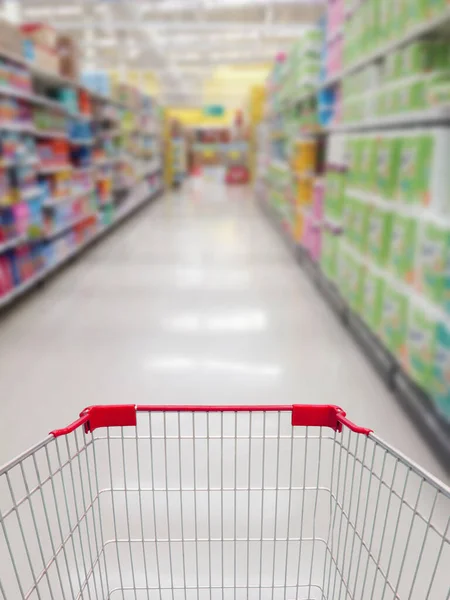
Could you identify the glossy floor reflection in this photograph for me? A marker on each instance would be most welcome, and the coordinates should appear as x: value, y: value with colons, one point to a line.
x: 195, y: 300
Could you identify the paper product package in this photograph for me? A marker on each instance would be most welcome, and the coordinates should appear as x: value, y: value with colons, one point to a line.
x: 379, y: 234
x: 431, y: 260
x: 440, y: 379
x: 366, y: 162
x: 394, y: 319
x: 416, y: 152
x: 403, y: 246
x: 359, y: 225
x: 343, y: 268
x: 355, y: 290
x: 386, y: 162
x: 328, y: 259
x: 420, y: 344
x: 437, y: 198
x: 372, y: 306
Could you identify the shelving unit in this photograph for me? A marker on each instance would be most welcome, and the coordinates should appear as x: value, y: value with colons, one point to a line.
x: 60, y: 174
x: 370, y: 198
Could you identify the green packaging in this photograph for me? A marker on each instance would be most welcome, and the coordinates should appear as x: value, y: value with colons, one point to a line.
x: 373, y: 289
x: 393, y: 66
x: 440, y: 379
x: 328, y: 258
x: 394, y: 319
x: 367, y: 159
x: 379, y: 234
x: 348, y: 216
x: 353, y: 160
x: 403, y: 247
x: 357, y: 273
x: 420, y: 345
x: 431, y: 261
x: 360, y: 225
x: 416, y: 154
x: 386, y: 163
x: 432, y: 8
x: 343, y: 269
x: 416, y: 58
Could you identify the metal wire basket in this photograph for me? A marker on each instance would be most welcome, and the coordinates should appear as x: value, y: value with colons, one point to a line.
x: 220, y: 503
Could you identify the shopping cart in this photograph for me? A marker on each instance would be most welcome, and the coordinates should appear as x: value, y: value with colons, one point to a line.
x: 220, y: 503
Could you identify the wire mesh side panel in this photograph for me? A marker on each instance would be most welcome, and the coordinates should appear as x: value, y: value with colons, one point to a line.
x: 215, y: 506
x: 390, y: 527
x: 50, y: 538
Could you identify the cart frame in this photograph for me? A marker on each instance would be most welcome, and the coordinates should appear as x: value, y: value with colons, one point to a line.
x: 220, y: 502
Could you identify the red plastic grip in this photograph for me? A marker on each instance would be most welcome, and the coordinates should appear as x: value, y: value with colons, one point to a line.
x: 124, y: 415
x: 93, y: 417
x: 315, y: 415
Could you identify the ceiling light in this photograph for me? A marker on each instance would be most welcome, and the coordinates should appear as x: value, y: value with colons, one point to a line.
x: 106, y: 42
x: 51, y: 11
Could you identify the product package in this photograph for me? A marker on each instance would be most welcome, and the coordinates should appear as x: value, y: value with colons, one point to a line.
x: 379, y: 234
x: 416, y: 152
x: 394, y: 319
x: 431, y: 260
x: 386, y: 162
x: 420, y: 344
x: 372, y: 305
x: 403, y: 246
x: 440, y: 379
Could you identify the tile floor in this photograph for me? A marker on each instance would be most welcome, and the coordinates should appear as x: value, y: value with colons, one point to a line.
x: 195, y: 300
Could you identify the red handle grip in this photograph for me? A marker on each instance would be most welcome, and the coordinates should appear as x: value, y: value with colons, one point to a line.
x: 124, y: 415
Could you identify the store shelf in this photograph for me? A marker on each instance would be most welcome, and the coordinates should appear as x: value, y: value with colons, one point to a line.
x: 12, y: 243
x: 51, y: 134
x: 410, y: 396
x: 50, y: 202
x: 435, y: 116
x: 420, y: 31
x: 50, y: 169
x: 19, y: 162
x: 17, y: 127
x: 129, y: 208
x: 66, y: 226
x: 83, y: 142
x: 30, y: 193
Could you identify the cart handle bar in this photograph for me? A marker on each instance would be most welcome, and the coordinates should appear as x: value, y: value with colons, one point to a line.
x: 124, y: 415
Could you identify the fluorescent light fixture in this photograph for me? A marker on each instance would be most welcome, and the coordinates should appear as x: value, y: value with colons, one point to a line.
x: 51, y: 11
x: 106, y: 42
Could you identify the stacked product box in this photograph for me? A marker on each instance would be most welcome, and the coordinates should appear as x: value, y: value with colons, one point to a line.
x: 334, y: 38
x: 280, y: 194
x: 412, y: 78
x: 392, y: 260
x: 373, y: 24
x: 299, y: 73
x: 333, y: 213
x: 303, y: 163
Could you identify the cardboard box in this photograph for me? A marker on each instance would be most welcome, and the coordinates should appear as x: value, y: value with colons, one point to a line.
x: 69, y: 64
x: 11, y: 39
x: 41, y: 34
x: 46, y: 59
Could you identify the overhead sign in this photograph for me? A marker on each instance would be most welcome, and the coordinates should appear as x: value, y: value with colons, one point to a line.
x: 214, y: 110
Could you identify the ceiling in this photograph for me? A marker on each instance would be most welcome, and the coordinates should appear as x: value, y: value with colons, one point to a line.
x: 181, y: 41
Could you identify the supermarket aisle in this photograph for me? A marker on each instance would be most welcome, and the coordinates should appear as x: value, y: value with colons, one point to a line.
x: 196, y: 300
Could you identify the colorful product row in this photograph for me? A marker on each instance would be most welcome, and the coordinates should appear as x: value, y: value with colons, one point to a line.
x: 410, y: 328
x: 411, y: 168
